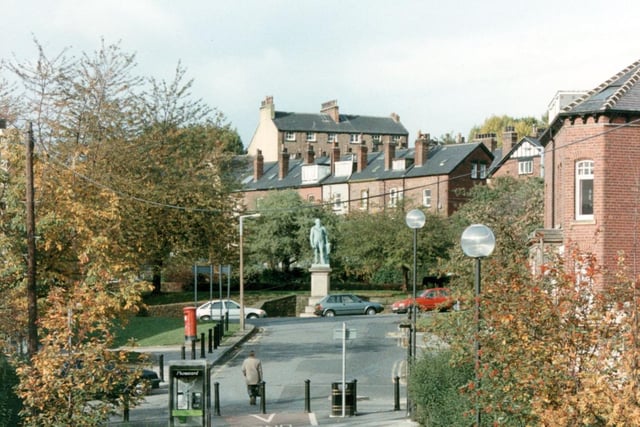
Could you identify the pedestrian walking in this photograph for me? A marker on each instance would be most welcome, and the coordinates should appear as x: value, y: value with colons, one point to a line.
x: 252, y: 371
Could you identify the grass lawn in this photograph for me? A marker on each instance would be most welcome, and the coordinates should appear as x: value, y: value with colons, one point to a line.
x: 155, y: 331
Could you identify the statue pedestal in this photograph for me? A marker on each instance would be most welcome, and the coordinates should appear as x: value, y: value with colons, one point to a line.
x: 320, y: 286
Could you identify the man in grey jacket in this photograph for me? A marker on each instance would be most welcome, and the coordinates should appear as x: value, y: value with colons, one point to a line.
x: 252, y: 371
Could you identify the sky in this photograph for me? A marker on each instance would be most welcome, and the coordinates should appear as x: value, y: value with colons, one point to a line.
x: 442, y: 66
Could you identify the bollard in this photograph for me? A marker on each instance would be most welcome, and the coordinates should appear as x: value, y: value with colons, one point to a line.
x: 161, y: 366
x: 216, y: 337
x: 226, y: 322
x: 193, y: 350
x: 396, y: 393
x: 125, y: 415
x: 307, y: 396
x: 263, y: 404
x: 221, y: 326
x: 355, y: 397
x: 202, y: 355
x: 210, y: 340
x: 216, y: 398
x: 183, y: 353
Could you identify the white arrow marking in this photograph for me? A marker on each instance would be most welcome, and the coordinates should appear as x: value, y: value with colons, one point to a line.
x: 266, y: 420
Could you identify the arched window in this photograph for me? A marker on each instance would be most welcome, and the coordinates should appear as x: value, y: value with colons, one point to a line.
x: 584, y: 190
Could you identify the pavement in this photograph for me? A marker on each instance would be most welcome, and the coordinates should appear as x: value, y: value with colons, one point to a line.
x: 154, y: 410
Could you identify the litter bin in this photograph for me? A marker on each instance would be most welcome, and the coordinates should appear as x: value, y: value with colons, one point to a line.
x: 190, y: 323
x: 336, y: 400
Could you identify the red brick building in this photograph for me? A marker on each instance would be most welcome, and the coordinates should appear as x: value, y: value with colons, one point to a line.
x: 592, y: 172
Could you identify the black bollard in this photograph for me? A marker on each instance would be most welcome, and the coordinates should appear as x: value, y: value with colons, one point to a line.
x: 396, y: 393
x: 202, y: 354
x: 193, y: 350
x: 161, y: 366
x: 226, y: 322
x: 263, y: 404
x: 216, y: 398
x: 183, y: 353
x: 307, y: 396
x: 355, y: 397
x: 210, y: 340
x: 215, y: 336
x: 221, y: 326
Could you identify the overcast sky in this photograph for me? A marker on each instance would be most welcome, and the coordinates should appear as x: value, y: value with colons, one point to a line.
x: 443, y: 66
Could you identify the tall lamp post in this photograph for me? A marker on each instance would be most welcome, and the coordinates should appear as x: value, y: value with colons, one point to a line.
x: 477, y: 242
x: 242, y: 217
x: 415, y: 220
x: 32, y: 298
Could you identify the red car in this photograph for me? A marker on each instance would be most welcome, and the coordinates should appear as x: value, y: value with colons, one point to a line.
x: 430, y: 299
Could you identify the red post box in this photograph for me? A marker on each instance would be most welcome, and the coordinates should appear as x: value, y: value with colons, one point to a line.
x: 190, y: 323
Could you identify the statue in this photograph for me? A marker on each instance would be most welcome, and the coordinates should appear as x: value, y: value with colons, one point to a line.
x: 319, y: 240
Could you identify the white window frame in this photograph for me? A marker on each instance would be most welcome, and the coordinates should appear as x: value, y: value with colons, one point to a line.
x: 364, y: 200
x: 332, y: 137
x: 354, y: 138
x: 395, y: 139
x: 289, y: 136
x: 478, y: 170
x: 584, y: 189
x: 377, y: 139
x: 395, y: 195
x: 525, y: 167
x: 311, y: 136
x: 426, y: 197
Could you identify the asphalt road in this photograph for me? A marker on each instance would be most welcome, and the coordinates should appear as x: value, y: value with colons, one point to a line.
x: 295, y: 351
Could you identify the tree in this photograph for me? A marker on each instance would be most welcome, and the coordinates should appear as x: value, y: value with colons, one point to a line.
x: 280, y: 237
x: 496, y: 124
x: 370, y: 242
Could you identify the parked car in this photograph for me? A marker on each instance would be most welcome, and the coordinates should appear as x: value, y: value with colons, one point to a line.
x: 214, y: 309
x: 429, y: 299
x: 339, y: 304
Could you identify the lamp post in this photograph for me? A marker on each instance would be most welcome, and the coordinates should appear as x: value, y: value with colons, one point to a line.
x: 477, y: 242
x: 242, y: 217
x: 415, y: 220
x: 32, y: 299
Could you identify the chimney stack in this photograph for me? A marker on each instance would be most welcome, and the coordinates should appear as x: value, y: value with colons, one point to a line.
x: 395, y: 117
x: 283, y: 163
x: 258, y: 166
x: 331, y: 108
x: 488, y: 139
x: 309, y: 156
x: 362, y: 158
x: 509, y: 138
x: 267, y: 109
x: 422, y: 149
x: 389, y: 155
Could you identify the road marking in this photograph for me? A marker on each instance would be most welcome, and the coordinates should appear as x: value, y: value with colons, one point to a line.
x: 312, y: 419
x: 266, y: 420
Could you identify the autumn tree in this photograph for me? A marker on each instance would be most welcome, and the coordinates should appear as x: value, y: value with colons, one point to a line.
x: 524, y: 126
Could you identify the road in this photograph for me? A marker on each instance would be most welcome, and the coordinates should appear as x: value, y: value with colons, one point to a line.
x: 294, y: 350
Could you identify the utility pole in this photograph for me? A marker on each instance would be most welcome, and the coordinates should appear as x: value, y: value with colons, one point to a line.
x: 32, y: 297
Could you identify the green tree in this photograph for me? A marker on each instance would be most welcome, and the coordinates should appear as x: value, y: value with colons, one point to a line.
x: 370, y: 242
x: 280, y: 237
x: 496, y: 124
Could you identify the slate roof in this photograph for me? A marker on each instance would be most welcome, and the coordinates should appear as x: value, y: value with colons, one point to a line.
x: 302, y: 122
x: 619, y: 93
x: 442, y: 160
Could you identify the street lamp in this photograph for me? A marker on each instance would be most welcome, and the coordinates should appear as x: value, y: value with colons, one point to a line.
x: 415, y: 219
x: 32, y: 298
x: 242, y: 217
x: 477, y: 242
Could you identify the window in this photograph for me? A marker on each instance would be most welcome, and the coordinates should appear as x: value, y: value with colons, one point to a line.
x: 332, y: 137
x: 394, y: 196
x: 355, y: 138
x: 478, y: 170
x: 377, y: 139
x: 337, y: 200
x: 364, y: 200
x: 311, y: 136
x: 396, y: 139
x: 426, y: 198
x: 525, y: 167
x: 290, y: 136
x: 584, y: 190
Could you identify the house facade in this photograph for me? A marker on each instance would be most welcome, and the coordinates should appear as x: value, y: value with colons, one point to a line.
x: 323, y: 131
x: 518, y: 158
x: 427, y: 176
x: 592, y: 178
